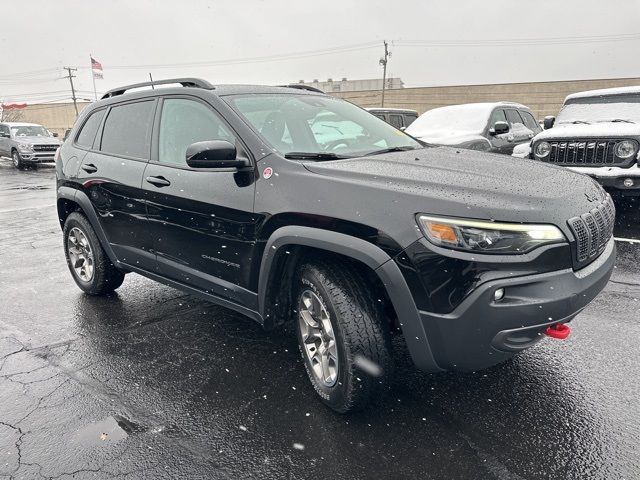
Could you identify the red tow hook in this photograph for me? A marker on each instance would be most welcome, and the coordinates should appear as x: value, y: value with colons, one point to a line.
x: 559, y: 331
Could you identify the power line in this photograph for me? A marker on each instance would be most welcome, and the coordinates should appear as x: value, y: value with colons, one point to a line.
x: 519, y: 41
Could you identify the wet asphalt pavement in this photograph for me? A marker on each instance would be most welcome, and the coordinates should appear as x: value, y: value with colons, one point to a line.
x: 153, y: 383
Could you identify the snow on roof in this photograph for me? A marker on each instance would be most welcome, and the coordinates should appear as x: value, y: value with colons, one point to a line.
x: 604, y: 92
x: 21, y: 124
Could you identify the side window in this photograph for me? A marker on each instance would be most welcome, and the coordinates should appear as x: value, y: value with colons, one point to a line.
x: 396, y: 120
x: 4, y: 130
x: 409, y: 119
x: 530, y: 122
x: 380, y: 116
x: 127, y: 130
x: 497, y: 116
x: 514, y: 118
x: 88, y: 132
x: 184, y: 122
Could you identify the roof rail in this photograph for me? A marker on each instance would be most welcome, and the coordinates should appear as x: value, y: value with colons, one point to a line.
x: 185, y: 82
x: 302, y: 86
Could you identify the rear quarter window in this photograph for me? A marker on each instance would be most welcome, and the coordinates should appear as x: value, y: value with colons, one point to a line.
x: 87, y: 133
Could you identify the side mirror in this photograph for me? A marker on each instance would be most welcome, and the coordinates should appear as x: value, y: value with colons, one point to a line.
x: 214, y: 154
x: 499, y: 128
x: 549, y: 121
x: 55, y: 134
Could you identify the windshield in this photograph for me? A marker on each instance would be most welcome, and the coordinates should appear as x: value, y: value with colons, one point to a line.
x: 30, y: 131
x: 601, y: 109
x: 455, y: 119
x: 318, y: 125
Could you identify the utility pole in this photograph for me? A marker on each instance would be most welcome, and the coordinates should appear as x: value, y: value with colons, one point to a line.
x: 70, y: 76
x: 383, y: 62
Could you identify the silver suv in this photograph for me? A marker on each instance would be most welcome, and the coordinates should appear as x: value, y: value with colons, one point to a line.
x: 27, y: 143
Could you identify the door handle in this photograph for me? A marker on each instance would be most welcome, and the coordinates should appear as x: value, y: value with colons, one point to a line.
x: 158, y: 181
x: 90, y: 168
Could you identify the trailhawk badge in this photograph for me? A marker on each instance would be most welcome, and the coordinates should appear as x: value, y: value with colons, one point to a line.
x: 267, y: 172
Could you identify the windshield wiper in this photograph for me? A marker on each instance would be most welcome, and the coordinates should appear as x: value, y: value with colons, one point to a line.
x: 389, y: 150
x: 623, y: 120
x: 582, y: 122
x: 314, y: 156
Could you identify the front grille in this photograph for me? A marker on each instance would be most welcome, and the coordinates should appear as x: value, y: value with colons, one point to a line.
x: 586, y: 153
x: 593, y: 231
x: 45, y: 148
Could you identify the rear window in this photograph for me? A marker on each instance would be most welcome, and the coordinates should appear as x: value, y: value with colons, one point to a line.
x: 88, y: 131
x: 127, y: 130
x: 409, y: 118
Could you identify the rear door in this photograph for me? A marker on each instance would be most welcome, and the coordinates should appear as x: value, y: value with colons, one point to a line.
x: 201, y: 220
x: 118, y: 144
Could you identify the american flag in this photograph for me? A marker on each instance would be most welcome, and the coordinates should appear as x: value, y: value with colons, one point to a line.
x: 96, y: 68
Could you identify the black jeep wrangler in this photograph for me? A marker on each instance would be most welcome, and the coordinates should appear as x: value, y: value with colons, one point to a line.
x: 286, y: 204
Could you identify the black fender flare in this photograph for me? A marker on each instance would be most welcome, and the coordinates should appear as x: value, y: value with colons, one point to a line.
x: 82, y: 200
x: 372, y: 256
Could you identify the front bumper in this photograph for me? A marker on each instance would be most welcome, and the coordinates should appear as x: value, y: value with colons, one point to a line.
x: 614, y: 177
x: 481, y: 332
x: 37, y: 157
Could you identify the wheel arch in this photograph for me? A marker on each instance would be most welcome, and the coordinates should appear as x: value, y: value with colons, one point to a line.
x: 72, y: 200
x: 286, y: 248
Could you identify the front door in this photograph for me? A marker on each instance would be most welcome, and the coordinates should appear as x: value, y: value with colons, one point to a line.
x: 201, y: 220
x: 503, y: 142
x: 4, y: 141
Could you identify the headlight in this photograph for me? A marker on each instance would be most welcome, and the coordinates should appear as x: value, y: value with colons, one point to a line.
x: 542, y: 149
x: 27, y: 147
x: 625, y: 149
x: 487, y: 237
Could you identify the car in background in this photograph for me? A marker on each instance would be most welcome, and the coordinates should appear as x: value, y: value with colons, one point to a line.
x: 27, y: 143
x: 597, y: 133
x: 400, y: 118
x: 491, y: 127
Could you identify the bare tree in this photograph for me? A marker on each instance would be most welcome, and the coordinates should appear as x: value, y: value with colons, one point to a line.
x: 11, y: 115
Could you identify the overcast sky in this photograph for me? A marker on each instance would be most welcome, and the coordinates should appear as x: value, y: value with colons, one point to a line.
x: 478, y: 41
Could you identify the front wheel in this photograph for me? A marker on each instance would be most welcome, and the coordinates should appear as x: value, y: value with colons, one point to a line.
x: 17, y: 160
x: 90, y: 266
x: 342, y: 335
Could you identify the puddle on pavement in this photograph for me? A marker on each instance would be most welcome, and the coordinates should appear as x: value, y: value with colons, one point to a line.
x: 112, y: 429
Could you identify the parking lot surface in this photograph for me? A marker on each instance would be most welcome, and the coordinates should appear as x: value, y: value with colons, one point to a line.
x: 154, y: 383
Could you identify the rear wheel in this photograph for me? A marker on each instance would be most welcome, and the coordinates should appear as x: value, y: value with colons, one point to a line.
x: 90, y: 266
x: 342, y: 335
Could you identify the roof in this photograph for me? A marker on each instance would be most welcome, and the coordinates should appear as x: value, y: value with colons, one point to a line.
x: 21, y: 124
x: 484, y: 105
x: 604, y: 92
x: 385, y: 109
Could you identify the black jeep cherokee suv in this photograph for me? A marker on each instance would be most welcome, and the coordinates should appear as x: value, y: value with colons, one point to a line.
x: 287, y: 204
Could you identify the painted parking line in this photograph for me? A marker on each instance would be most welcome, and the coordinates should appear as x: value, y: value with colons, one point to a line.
x: 630, y: 240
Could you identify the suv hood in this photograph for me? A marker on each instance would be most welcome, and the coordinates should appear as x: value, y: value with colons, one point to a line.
x: 594, y: 130
x: 38, y: 140
x: 461, y: 183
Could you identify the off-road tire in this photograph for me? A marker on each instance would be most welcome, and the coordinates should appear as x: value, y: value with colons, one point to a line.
x: 106, y: 277
x: 361, y: 332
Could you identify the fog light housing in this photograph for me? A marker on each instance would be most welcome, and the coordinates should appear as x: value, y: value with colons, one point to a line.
x: 628, y: 182
x: 498, y: 294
